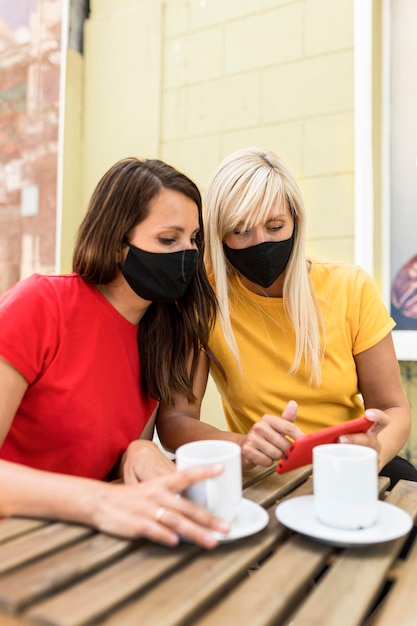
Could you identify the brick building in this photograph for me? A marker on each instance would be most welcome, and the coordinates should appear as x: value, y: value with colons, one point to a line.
x: 29, y: 121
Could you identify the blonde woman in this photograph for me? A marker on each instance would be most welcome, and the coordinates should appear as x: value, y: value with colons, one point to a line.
x: 299, y: 344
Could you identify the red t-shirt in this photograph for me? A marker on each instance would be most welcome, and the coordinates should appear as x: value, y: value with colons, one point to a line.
x: 84, y: 403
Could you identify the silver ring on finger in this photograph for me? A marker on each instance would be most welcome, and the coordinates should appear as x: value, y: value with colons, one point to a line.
x: 160, y: 513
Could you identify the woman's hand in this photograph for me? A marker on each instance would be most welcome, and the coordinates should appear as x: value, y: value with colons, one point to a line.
x: 155, y: 509
x: 370, y: 438
x: 268, y: 440
x: 143, y: 461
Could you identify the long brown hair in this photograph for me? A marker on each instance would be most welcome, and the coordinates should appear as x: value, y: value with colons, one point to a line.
x: 168, y: 333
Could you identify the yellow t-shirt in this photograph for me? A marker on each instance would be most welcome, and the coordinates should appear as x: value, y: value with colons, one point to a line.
x: 355, y: 320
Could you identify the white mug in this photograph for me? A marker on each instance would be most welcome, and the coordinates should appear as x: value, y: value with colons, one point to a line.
x: 222, y: 494
x: 345, y: 483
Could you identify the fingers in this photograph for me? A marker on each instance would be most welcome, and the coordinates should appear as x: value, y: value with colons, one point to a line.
x: 370, y: 438
x: 169, y: 526
x: 155, y: 510
x: 181, y: 516
x: 180, y: 481
x: 263, y: 451
x: 380, y: 419
x: 271, y: 437
x: 190, y: 522
x: 143, y: 461
x: 290, y: 411
x: 160, y: 513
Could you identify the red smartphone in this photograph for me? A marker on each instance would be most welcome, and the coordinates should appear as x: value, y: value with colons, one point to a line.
x: 301, y: 450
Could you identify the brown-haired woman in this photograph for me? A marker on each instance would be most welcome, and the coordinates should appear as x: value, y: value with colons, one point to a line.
x: 77, y: 403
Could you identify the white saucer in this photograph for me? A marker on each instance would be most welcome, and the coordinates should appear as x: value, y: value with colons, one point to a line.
x: 298, y: 514
x: 250, y: 519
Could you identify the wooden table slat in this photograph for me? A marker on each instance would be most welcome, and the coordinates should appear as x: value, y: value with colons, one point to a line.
x: 383, y: 484
x: 401, y: 605
x: 272, y: 592
x: 404, y: 495
x: 357, y: 573
x: 101, y: 592
x: 197, y: 585
x: 249, y: 477
x: 14, y: 526
x: 275, y: 486
x: 30, y: 546
x: 23, y: 587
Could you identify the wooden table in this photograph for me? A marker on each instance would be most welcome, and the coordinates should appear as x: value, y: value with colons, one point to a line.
x: 68, y: 575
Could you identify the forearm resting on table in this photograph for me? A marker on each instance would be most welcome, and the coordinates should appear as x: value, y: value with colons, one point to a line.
x: 30, y: 492
x: 177, y: 429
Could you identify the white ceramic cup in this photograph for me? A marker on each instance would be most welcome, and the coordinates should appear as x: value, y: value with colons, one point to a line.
x: 345, y: 482
x: 222, y: 494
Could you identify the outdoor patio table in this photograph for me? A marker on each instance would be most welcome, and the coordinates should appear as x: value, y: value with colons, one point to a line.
x: 54, y: 573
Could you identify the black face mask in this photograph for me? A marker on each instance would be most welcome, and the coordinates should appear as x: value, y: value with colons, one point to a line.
x: 263, y: 263
x: 159, y: 277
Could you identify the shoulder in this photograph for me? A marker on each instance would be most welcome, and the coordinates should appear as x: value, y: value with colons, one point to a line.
x: 29, y: 288
x: 348, y: 285
x: 43, y: 290
x: 42, y: 281
x: 343, y: 274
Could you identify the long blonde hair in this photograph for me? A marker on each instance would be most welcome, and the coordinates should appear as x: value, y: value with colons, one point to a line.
x: 243, y: 189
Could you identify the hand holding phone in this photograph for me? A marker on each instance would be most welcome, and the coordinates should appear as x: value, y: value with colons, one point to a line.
x: 301, y: 450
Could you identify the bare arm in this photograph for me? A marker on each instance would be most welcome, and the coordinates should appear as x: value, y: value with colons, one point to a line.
x: 383, y: 394
x: 12, y: 389
x: 181, y: 423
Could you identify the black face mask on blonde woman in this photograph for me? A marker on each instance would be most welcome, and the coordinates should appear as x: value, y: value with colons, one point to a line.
x: 263, y: 263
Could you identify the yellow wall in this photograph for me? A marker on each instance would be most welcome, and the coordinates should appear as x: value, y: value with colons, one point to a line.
x: 190, y: 81
x: 123, y: 69
x: 72, y: 208
x: 266, y: 73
